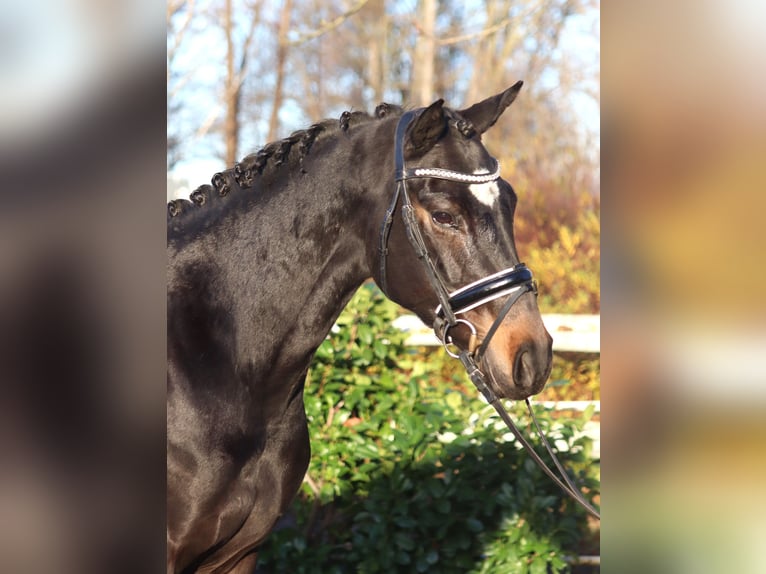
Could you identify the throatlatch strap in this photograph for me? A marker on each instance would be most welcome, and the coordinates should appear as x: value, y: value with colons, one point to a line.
x: 385, y: 231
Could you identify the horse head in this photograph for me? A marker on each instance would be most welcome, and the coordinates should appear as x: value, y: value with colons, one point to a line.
x: 451, y: 256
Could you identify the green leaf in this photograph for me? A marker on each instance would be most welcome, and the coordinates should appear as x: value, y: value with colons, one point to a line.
x: 443, y: 505
x: 364, y: 333
x: 403, y: 558
x: 432, y: 557
x: 538, y: 566
x: 474, y: 525
x: 405, y: 521
x: 454, y: 400
x: 404, y: 541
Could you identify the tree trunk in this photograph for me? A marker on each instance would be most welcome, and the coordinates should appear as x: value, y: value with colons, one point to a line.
x: 425, y: 55
x: 284, y: 28
x: 232, y: 95
x: 377, y: 49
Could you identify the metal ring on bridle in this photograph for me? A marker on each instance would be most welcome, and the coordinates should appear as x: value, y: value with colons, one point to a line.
x: 447, y: 340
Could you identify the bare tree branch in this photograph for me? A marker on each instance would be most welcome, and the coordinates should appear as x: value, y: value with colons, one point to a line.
x: 236, y: 71
x: 255, y: 19
x: 327, y: 25
x: 208, y: 124
x: 173, y: 8
x: 475, y: 35
x: 486, y: 31
x: 179, y: 84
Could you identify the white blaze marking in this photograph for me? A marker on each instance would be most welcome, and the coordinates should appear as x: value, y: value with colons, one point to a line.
x: 486, y: 193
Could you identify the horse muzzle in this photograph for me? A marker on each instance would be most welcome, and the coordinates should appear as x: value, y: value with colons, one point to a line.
x: 514, y: 353
x: 518, y: 363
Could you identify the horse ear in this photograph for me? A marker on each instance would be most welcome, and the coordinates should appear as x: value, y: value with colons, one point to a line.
x: 429, y: 126
x: 484, y: 114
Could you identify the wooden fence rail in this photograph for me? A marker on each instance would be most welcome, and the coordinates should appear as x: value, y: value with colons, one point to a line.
x: 571, y: 333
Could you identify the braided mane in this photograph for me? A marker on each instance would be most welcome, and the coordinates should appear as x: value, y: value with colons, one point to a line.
x: 245, y: 173
x: 294, y: 148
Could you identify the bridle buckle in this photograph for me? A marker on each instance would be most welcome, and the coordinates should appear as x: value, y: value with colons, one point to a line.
x: 447, y: 341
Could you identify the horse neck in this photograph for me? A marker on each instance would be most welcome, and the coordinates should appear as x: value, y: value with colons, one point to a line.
x: 291, y: 259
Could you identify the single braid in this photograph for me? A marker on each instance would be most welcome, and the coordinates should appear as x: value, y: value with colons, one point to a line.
x: 345, y: 118
x: 282, y: 152
x: 200, y: 195
x: 177, y: 206
x: 382, y: 110
x: 239, y: 175
x: 220, y: 184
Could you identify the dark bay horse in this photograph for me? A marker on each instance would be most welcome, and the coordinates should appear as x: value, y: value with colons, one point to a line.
x: 261, y: 263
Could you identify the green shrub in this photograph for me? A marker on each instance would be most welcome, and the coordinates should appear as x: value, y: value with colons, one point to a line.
x: 414, y: 473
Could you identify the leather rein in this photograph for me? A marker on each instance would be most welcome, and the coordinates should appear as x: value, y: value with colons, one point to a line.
x: 512, y: 283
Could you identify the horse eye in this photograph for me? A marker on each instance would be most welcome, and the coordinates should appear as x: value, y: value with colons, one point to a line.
x: 443, y: 218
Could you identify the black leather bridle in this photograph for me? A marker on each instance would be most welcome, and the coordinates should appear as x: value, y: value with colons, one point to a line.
x: 512, y: 283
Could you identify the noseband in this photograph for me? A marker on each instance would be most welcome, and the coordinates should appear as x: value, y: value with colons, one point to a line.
x: 512, y: 283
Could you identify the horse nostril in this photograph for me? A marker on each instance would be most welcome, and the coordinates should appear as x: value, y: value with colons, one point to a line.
x: 531, y: 368
x: 523, y: 370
